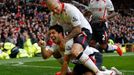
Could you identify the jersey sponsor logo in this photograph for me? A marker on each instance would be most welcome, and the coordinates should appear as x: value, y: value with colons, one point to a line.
x: 74, y: 19
x: 68, y: 48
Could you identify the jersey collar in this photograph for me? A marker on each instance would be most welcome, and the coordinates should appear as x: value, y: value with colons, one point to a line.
x: 62, y: 7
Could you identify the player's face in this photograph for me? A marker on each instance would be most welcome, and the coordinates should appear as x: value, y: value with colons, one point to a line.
x: 54, y: 6
x: 54, y: 35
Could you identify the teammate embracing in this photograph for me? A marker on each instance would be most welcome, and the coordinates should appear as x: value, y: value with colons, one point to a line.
x: 58, y: 51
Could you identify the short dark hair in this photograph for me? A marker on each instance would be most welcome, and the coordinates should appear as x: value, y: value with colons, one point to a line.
x: 57, y: 28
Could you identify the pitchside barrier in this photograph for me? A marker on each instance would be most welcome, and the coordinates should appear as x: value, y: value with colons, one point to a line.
x: 128, y: 47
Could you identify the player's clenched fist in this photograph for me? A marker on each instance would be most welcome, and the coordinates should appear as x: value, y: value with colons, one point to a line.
x: 42, y: 43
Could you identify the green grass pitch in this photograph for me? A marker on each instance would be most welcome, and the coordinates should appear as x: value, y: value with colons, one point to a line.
x: 38, y: 66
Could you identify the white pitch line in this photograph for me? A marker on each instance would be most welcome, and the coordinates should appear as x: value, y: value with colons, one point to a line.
x: 51, y: 67
x: 24, y: 61
x: 125, y: 54
x: 127, y: 71
x: 22, y: 65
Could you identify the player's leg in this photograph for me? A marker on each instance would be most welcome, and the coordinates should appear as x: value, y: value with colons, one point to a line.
x: 60, y: 59
x: 115, y: 47
x: 78, y: 47
x: 99, y: 60
x: 80, y: 69
x: 108, y: 47
x: 103, y: 41
x: 113, y: 71
x: 97, y: 56
x: 116, y: 71
x: 88, y: 73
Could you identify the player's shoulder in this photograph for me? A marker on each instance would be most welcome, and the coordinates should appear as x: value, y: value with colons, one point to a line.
x: 68, y: 4
x: 69, y: 7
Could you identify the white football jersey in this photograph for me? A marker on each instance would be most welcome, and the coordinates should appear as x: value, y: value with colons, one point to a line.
x: 99, y: 8
x: 54, y: 48
x: 70, y: 17
x: 68, y: 46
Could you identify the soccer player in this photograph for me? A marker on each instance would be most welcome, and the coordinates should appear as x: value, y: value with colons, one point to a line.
x: 54, y: 47
x: 100, y: 10
x: 78, y: 28
x: 57, y: 49
x: 56, y: 35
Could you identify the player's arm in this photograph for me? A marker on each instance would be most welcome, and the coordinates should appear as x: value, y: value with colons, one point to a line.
x: 111, y: 15
x: 76, y: 22
x: 45, y: 50
x: 46, y: 53
x: 76, y: 30
x: 65, y: 65
x: 110, y: 8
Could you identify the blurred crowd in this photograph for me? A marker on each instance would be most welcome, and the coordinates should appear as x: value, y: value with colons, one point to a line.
x: 14, y: 20
x: 22, y: 20
x: 121, y: 29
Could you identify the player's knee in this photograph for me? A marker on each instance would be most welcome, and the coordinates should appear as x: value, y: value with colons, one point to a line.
x: 76, y: 50
x: 89, y: 73
x: 76, y: 53
x: 80, y: 54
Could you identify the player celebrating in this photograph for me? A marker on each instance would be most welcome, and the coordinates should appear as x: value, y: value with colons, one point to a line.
x: 100, y: 10
x: 99, y: 23
x: 78, y: 28
x: 56, y: 34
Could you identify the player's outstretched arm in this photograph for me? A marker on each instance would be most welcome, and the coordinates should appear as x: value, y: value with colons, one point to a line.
x: 46, y: 53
